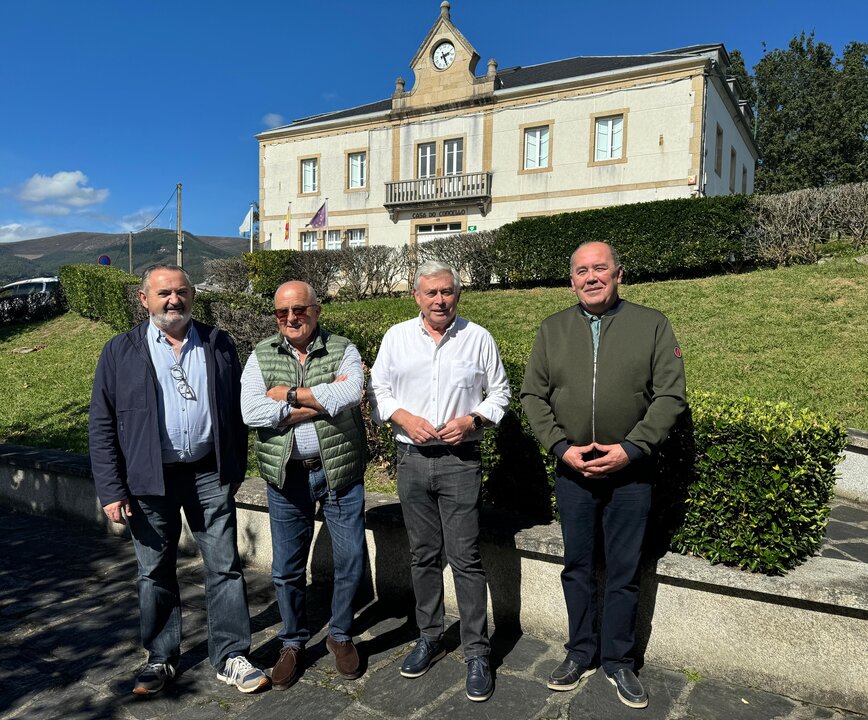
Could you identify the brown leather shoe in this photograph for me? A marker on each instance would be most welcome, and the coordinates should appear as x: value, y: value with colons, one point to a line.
x: 346, y: 657
x: 285, y: 671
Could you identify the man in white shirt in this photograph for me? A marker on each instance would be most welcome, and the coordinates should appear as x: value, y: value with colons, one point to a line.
x: 439, y: 380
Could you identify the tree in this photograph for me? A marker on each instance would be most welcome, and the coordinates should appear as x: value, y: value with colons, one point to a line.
x: 812, y: 115
x: 738, y: 70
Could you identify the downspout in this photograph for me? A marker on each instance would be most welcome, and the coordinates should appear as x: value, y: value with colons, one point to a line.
x: 705, y: 78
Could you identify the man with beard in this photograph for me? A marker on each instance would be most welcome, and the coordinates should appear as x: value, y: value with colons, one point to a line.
x: 166, y: 433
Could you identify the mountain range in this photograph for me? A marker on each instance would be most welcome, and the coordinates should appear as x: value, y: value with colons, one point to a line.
x: 44, y: 256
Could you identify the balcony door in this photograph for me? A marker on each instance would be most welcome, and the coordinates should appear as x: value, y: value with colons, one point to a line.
x: 427, y: 169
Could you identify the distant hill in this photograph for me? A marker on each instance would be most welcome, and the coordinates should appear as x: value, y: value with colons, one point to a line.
x: 44, y: 256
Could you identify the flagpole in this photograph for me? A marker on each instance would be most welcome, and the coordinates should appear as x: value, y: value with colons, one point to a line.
x: 325, y: 231
x: 250, y: 227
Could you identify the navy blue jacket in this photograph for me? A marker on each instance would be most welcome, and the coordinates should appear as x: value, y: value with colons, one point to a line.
x: 125, y: 453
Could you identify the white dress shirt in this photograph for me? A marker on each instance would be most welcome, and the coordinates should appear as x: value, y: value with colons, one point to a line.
x: 441, y: 381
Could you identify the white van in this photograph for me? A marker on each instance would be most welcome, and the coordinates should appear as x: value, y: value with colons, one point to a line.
x: 21, y: 288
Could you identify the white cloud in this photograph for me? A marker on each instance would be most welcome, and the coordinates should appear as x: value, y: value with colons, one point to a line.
x: 65, y: 188
x: 53, y: 210
x: 140, y: 218
x: 14, y: 232
x: 272, y: 120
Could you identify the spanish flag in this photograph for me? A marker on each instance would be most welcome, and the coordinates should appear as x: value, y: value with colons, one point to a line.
x: 286, y: 227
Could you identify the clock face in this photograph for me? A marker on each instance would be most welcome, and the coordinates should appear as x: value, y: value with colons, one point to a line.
x: 444, y: 54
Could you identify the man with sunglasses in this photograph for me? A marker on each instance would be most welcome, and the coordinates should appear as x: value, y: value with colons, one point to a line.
x: 166, y: 433
x: 301, y: 389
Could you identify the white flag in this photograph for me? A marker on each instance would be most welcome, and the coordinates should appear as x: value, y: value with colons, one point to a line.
x: 246, y: 226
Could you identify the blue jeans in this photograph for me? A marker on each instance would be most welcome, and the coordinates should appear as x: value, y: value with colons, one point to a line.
x: 155, y: 525
x: 622, y: 506
x: 291, y: 511
x: 440, y: 502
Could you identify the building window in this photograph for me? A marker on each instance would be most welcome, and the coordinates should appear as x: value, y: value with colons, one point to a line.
x: 608, y: 138
x: 357, y: 170
x: 427, y: 165
x: 454, y: 152
x: 310, y: 175
x: 536, y: 148
x: 437, y: 231
x: 732, y: 166
x: 718, y: 151
x: 308, y: 240
x: 333, y: 240
x: 356, y: 237
x: 743, y: 180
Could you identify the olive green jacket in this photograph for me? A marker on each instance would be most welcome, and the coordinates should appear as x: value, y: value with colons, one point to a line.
x: 635, y: 390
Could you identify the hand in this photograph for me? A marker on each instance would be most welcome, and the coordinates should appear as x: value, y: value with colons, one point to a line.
x: 418, y: 429
x: 340, y: 378
x: 574, y: 457
x: 115, y: 511
x: 278, y: 392
x: 612, y: 458
x: 456, y: 430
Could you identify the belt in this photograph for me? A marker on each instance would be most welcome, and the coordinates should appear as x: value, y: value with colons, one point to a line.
x: 464, y: 451
x: 314, y: 463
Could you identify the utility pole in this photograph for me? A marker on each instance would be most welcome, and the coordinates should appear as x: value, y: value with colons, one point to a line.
x: 131, y: 253
x: 180, y: 232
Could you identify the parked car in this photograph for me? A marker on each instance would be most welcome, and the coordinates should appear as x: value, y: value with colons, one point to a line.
x: 20, y: 288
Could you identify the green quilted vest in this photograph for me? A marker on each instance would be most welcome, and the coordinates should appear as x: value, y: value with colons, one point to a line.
x: 342, y: 440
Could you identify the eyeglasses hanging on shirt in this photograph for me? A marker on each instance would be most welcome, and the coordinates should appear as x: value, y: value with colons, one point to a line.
x: 180, y: 378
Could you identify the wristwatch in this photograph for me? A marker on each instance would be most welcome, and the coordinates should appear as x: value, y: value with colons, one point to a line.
x: 477, y: 420
x: 292, y: 396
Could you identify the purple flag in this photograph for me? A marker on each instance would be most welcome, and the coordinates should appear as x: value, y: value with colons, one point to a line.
x: 320, y: 219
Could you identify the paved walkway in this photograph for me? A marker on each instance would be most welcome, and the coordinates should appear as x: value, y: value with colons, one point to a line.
x: 69, y: 649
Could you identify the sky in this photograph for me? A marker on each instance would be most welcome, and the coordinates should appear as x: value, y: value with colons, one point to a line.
x: 105, y: 105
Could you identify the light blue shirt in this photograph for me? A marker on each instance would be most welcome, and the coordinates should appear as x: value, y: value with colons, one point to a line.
x: 185, y: 423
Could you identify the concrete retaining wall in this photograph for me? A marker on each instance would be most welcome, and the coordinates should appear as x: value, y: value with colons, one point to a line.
x: 804, y: 635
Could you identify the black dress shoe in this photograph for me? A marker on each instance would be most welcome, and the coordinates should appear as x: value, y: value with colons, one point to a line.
x: 480, y: 683
x: 630, y: 690
x: 421, y: 657
x: 568, y: 674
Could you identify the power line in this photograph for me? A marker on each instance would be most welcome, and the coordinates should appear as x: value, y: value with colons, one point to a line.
x: 153, y: 220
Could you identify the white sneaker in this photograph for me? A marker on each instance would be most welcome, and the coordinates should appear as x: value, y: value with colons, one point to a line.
x: 239, y: 672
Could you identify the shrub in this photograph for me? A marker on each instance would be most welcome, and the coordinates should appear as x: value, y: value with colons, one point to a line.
x: 660, y: 239
x: 270, y: 268
x: 31, y: 308
x: 471, y: 254
x: 373, y: 271
x: 228, y: 273
x: 848, y: 212
x: 786, y: 227
x: 764, y: 475
x: 101, y: 293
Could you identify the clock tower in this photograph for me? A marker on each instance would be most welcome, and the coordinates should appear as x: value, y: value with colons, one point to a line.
x: 444, y: 67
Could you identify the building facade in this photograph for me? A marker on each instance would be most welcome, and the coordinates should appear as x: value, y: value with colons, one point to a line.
x: 460, y: 152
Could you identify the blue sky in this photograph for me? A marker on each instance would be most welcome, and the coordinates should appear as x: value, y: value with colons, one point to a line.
x: 107, y: 104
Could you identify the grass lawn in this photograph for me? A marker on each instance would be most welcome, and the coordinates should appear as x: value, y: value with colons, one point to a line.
x: 797, y: 334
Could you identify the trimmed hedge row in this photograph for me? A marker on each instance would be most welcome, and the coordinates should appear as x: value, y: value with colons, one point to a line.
x: 739, y: 482
x: 659, y: 239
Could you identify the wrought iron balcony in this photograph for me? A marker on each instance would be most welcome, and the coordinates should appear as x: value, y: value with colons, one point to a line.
x: 443, y: 190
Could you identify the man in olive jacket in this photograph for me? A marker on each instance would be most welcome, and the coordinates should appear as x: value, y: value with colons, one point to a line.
x: 602, y: 389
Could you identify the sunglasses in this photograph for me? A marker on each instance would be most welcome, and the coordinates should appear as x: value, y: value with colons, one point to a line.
x: 297, y: 310
x: 180, y: 378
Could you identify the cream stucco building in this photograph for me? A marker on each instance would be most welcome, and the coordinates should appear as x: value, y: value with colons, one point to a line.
x: 461, y: 152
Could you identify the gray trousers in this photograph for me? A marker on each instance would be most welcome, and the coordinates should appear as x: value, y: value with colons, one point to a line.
x: 440, y: 501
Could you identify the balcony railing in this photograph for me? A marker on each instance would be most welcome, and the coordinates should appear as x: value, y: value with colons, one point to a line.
x: 440, y: 190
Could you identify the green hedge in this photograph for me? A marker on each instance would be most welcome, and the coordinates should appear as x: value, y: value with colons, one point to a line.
x: 760, y: 489
x: 100, y: 293
x: 659, y: 239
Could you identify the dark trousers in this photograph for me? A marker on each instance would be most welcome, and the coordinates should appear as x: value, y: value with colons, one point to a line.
x: 622, y: 505
x: 440, y: 502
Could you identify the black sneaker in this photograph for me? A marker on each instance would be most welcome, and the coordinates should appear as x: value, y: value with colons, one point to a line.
x: 422, y: 656
x: 630, y: 690
x: 480, y: 683
x: 568, y: 675
x: 153, y: 678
